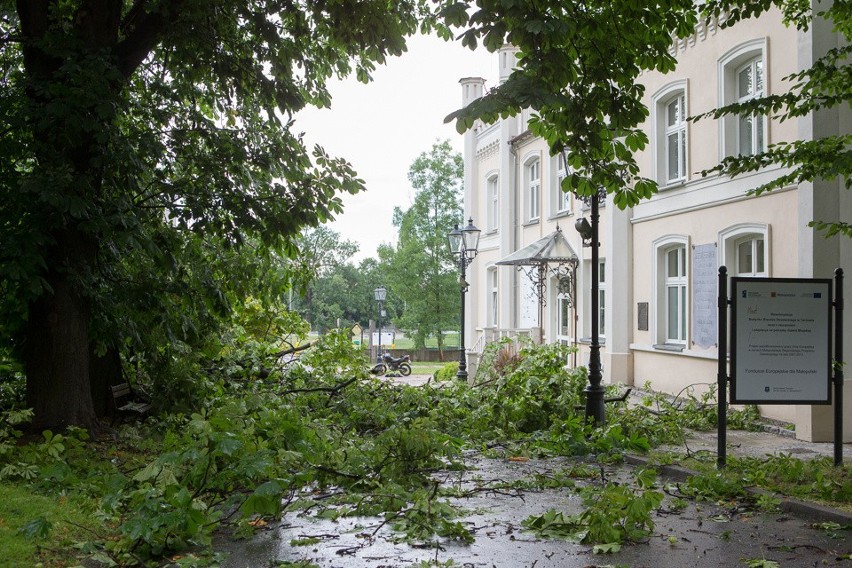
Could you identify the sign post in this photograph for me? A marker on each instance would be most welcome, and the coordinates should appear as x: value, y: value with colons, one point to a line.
x: 781, y: 339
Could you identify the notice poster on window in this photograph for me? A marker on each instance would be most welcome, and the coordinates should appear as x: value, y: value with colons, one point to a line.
x: 781, y: 341
x: 528, y: 303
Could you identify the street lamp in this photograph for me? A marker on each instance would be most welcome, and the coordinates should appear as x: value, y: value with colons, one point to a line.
x: 594, y: 391
x: 381, y: 293
x: 464, y: 244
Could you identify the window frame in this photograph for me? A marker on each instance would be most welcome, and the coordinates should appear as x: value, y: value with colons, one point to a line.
x: 732, y: 237
x: 492, y: 196
x: 756, y: 142
x: 532, y: 186
x: 729, y: 66
x: 561, y: 202
x: 662, y: 99
x: 493, y: 296
x: 663, y: 283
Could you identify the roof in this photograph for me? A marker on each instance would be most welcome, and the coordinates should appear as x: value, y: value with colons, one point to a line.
x: 554, y: 248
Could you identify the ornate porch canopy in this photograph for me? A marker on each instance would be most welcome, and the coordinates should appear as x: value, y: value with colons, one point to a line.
x: 552, y: 254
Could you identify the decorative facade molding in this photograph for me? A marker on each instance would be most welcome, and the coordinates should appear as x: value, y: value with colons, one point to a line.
x: 488, y: 150
x: 703, y: 30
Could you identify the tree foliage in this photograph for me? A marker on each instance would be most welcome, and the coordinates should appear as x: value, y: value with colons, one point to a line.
x: 826, y: 86
x: 140, y: 134
x: 578, y: 68
x: 421, y: 270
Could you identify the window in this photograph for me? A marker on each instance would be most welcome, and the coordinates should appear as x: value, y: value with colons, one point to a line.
x: 675, y: 284
x: 671, y: 285
x: 563, y: 325
x: 670, y: 139
x: 745, y: 249
x: 493, y: 197
x: 750, y: 86
x: 492, y: 297
x: 602, y: 298
x: 750, y: 257
x: 561, y: 199
x: 675, y: 139
x: 533, y: 171
x: 742, y: 77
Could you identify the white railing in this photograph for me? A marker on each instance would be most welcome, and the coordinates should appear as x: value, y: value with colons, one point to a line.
x: 490, y: 334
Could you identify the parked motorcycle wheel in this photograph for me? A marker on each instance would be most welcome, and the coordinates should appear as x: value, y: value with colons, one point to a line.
x: 404, y: 369
x: 380, y: 369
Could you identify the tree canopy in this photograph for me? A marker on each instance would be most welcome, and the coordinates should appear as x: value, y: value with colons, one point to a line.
x: 133, y: 128
x: 579, y: 65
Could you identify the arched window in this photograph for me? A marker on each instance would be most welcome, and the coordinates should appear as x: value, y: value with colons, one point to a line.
x: 561, y: 200
x: 742, y: 77
x: 672, y: 286
x: 492, y: 195
x: 745, y: 249
x: 532, y: 175
x: 670, y: 140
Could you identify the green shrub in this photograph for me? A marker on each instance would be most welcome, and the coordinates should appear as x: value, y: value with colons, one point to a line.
x: 447, y: 372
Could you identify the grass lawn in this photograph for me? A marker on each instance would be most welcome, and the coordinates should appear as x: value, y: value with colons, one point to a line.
x: 54, y: 524
x: 425, y: 368
x: 451, y: 341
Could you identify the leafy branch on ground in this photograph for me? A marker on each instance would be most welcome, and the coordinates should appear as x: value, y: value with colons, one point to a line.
x: 258, y: 445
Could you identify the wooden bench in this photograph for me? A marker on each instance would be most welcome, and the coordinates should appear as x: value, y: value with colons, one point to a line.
x: 127, y: 402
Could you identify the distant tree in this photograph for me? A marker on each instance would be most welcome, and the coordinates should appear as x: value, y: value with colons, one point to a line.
x: 322, y: 254
x: 127, y: 125
x: 421, y: 271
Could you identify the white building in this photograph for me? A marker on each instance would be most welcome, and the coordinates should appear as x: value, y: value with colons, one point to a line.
x: 656, y: 324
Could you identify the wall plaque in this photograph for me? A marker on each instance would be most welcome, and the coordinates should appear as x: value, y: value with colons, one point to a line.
x: 705, y: 281
x: 642, y: 316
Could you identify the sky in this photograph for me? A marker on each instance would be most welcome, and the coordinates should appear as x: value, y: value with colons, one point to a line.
x: 381, y: 128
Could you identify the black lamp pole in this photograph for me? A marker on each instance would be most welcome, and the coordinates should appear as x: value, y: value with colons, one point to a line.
x: 595, y: 412
x: 380, y: 294
x: 463, y: 243
x: 462, y: 372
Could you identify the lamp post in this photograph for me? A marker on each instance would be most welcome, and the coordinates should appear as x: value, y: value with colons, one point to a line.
x: 381, y: 293
x: 594, y: 391
x: 464, y: 244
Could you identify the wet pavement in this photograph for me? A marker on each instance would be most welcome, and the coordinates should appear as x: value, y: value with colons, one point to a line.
x: 699, y: 535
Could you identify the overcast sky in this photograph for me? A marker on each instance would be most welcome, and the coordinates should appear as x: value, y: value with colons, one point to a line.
x: 382, y: 127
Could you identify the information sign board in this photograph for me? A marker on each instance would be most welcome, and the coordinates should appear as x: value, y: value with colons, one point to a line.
x: 781, y: 341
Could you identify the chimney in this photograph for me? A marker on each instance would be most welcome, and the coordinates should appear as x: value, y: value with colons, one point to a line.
x: 472, y: 89
x: 508, y: 61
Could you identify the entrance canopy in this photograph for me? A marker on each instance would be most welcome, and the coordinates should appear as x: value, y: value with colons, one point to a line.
x: 553, y: 254
x: 552, y: 249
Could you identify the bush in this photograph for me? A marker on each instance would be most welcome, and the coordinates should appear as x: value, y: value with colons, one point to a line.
x: 447, y: 372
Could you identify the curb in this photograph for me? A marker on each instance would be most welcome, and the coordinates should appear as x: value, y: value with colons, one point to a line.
x: 804, y: 509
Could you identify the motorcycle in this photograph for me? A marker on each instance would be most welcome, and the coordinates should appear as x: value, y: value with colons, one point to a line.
x: 386, y: 363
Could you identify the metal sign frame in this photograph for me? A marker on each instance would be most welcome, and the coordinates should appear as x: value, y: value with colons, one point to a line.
x: 781, y: 340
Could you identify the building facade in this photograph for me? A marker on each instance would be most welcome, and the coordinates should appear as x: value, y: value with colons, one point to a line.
x: 658, y: 260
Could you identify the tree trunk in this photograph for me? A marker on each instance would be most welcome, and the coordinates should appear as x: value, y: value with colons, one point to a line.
x: 56, y: 352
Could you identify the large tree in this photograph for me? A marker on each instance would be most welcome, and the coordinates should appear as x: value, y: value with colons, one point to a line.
x: 126, y: 125
x: 421, y: 271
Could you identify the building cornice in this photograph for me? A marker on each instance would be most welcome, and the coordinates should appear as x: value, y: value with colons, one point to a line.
x: 703, y: 29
